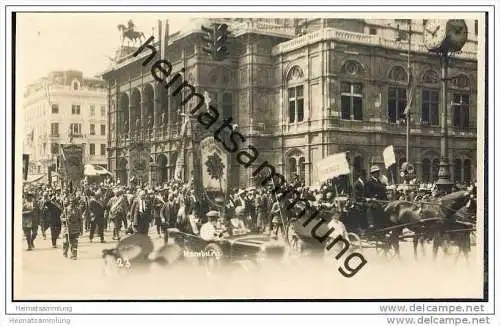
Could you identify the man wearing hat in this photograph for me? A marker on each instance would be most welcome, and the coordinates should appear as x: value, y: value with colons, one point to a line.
x: 208, y: 230
x: 96, y: 215
x: 117, y: 209
x: 72, y: 226
x: 140, y: 213
x: 168, y: 215
x: 374, y: 190
x: 44, y: 214
x: 30, y: 218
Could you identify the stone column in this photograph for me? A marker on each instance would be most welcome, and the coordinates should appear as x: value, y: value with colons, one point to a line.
x: 131, y: 114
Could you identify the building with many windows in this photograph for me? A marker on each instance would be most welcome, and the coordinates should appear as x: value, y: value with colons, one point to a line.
x: 301, y: 90
x: 61, y: 108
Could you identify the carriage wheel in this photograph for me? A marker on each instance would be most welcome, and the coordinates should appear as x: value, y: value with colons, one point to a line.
x: 213, y: 258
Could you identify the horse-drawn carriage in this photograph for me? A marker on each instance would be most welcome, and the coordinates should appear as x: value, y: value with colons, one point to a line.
x: 448, y: 221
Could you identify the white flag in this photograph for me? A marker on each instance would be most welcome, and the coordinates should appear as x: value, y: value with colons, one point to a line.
x: 333, y: 166
x: 389, y: 156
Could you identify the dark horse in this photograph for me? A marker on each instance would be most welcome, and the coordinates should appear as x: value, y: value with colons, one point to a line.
x: 446, y: 220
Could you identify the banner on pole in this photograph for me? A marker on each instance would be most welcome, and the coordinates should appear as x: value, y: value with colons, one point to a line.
x: 389, y: 156
x: 72, y: 160
x: 333, y: 166
x: 214, y: 165
x: 139, y: 157
x: 180, y: 148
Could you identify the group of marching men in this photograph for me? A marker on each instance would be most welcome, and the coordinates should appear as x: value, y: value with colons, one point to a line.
x: 94, y: 208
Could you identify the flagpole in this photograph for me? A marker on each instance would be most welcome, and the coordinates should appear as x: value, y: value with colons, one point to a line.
x: 408, y: 111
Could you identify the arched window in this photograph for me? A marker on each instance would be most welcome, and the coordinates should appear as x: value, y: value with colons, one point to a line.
x: 460, y: 81
x: 457, y: 170
x: 467, y: 171
x: 352, y: 67
x: 396, y: 100
x: 435, y: 169
x: 292, y: 168
x: 162, y: 174
x: 430, y: 77
x: 430, y: 98
x: 295, y: 94
x: 351, y: 91
x: 426, y: 170
x: 398, y: 74
x: 295, y: 166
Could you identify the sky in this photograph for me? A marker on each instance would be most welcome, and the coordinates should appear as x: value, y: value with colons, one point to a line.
x: 76, y: 41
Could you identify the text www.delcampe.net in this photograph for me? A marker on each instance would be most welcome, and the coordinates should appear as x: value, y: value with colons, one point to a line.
x: 435, y: 320
x: 438, y: 310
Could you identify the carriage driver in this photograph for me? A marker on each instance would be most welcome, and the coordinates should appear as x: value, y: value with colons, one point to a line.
x: 374, y: 190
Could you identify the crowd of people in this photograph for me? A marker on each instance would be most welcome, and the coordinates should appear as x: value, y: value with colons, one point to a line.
x: 89, y: 209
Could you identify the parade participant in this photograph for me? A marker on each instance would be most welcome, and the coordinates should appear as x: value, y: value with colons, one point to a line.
x: 30, y: 219
x: 86, y: 214
x: 140, y: 214
x: 250, y: 208
x: 208, y: 230
x: 72, y: 227
x: 96, y: 214
x: 158, y: 202
x: 236, y: 223
x: 168, y: 215
x: 374, y: 190
x: 53, y: 208
x: 117, y: 209
x: 276, y: 223
x: 262, y: 217
x: 44, y: 214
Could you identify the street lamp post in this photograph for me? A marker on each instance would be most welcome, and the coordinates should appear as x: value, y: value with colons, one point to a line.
x: 444, y: 184
x: 444, y: 38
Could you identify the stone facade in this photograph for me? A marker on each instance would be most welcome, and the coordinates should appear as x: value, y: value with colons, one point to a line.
x: 287, y: 93
x: 57, y: 103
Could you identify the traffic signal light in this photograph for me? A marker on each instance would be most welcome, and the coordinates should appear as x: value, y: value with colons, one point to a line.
x: 216, y: 38
x: 221, y: 34
x: 209, y: 38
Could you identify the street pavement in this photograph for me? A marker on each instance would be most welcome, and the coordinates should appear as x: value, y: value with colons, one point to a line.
x: 46, y: 274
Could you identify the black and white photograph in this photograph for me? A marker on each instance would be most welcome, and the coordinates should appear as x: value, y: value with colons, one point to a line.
x: 240, y: 155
